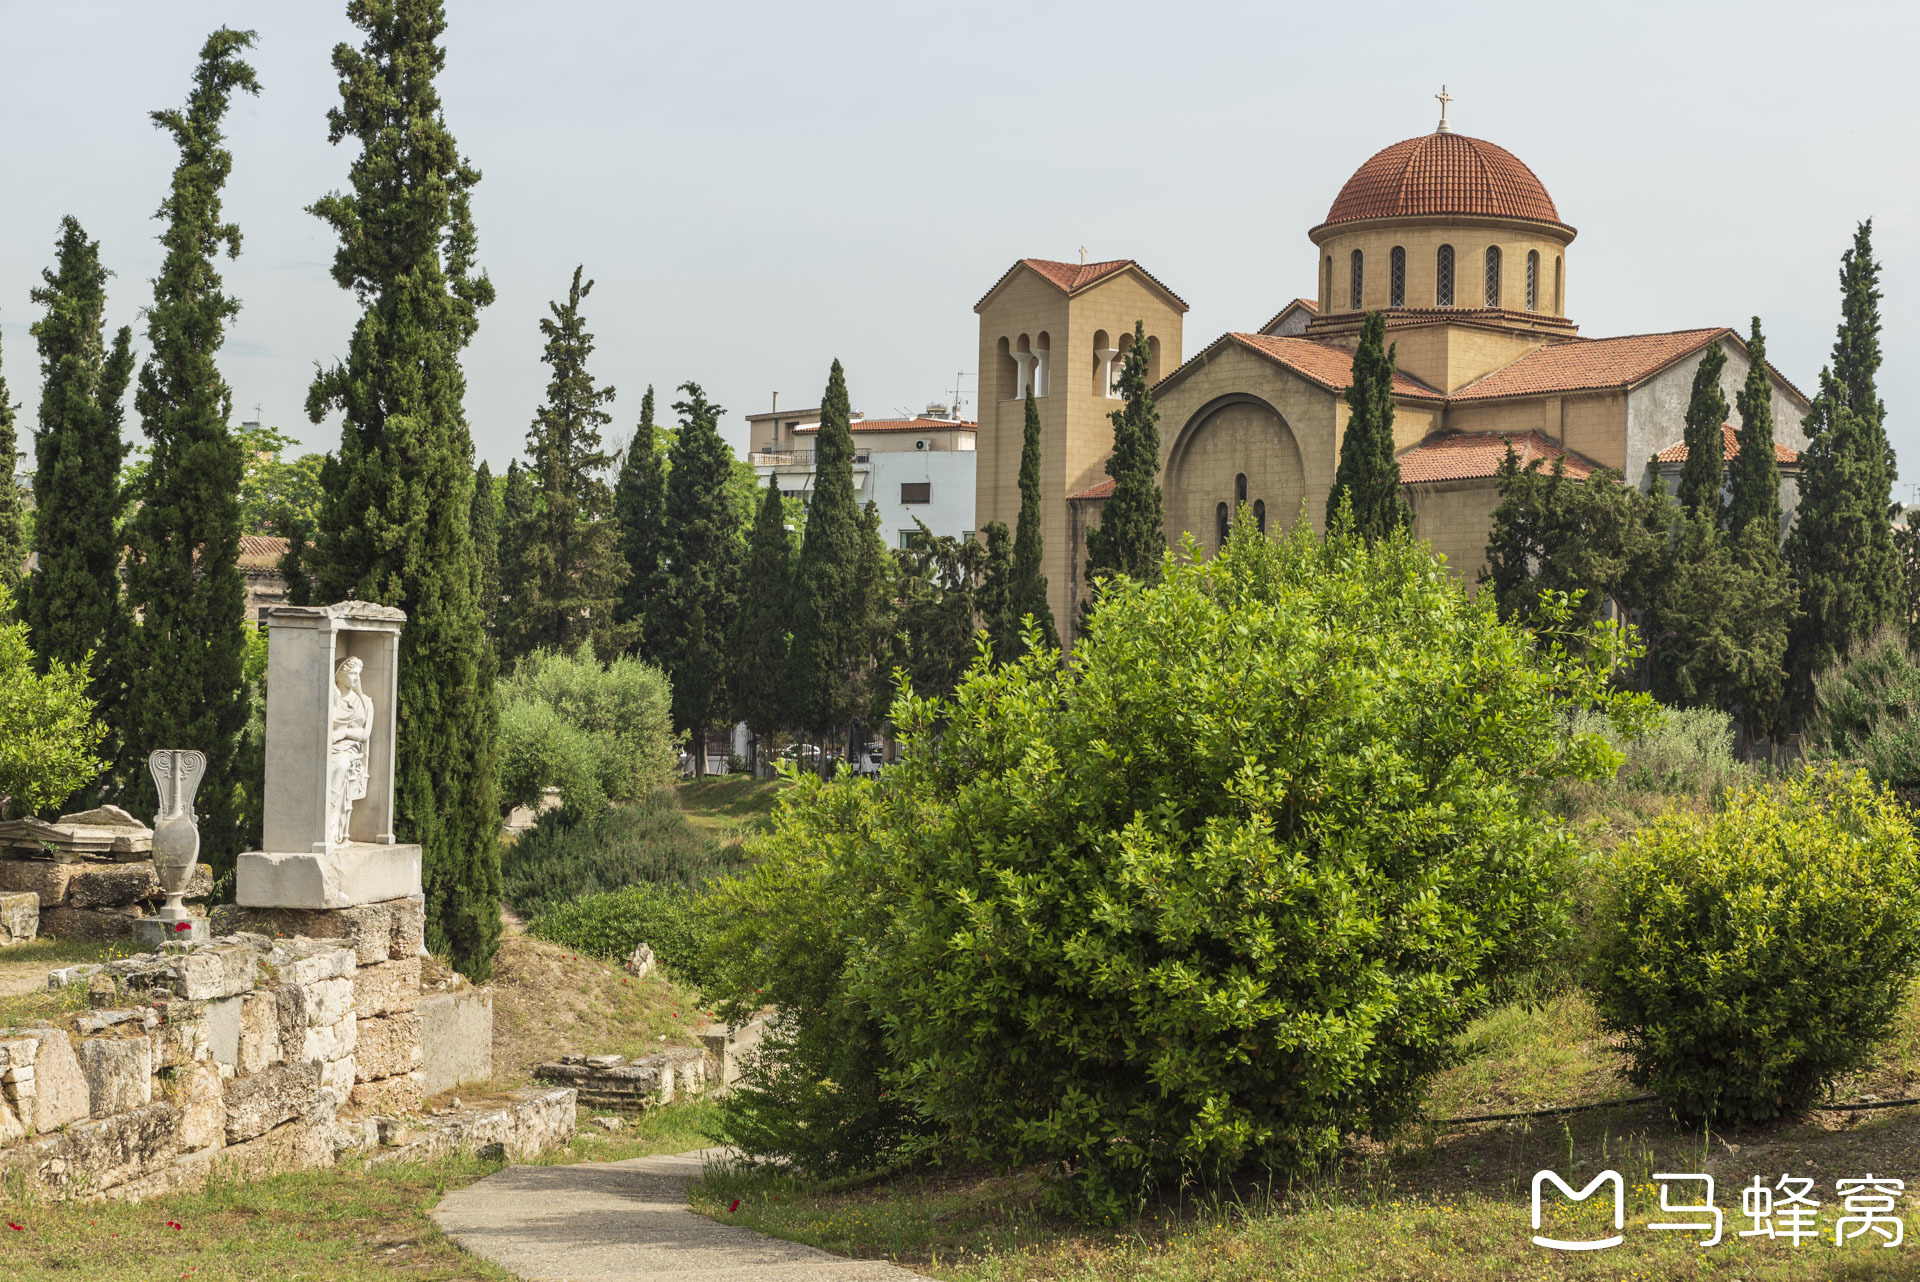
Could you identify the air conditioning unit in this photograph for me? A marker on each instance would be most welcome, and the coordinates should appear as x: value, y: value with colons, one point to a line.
x: 919, y: 445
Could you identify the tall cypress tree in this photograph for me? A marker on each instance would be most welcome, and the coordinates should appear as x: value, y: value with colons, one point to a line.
x: 1841, y: 549
x: 13, y: 534
x: 394, y: 527
x: 759, y: 649
x: 1755, y: 472
x: 515, y: 524
x: 640, y: 512
x: 73, y: 606
x: 185, y: 686
x: 826, y: 586
x: 1002, y: 625
x: 1029, y: 584
x: 702, y: 556
x: 1704, y: 472
x: 1131, y: 538
x: 573, y: 561
x: 1368, y: 475
x: 484, y: 519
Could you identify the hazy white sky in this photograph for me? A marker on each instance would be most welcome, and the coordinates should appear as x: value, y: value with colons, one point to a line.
x: 759, y: 188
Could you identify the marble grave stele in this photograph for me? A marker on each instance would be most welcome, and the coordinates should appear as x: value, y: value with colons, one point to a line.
x: 332, y: 687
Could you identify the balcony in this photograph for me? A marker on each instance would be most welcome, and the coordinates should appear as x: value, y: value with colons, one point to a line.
x: 793, y: 458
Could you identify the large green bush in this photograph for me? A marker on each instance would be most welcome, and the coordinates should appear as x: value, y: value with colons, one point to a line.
x: 1750, y: 956
x: 598, y: 732
x: 668, y: 919
x: 1218, y: 892
x: 560, y: 859
x: 1867, y: 709
x: 47, y: 731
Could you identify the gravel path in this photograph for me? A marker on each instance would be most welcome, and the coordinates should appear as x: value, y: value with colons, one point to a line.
x: 597, y: 1222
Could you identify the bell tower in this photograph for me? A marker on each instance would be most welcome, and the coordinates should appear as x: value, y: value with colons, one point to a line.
x: 1063, y: 330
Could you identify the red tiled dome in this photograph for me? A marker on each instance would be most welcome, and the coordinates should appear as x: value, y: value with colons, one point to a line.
x: 1443, y: 174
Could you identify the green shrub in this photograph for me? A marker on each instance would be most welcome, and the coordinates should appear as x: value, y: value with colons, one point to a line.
x: 1219, y: 892
x: 47, y: 731
x: 668, y: 919
x: 1867, y: 709
x: 560, y: 858
x: 598, y: 732
x: 1683, y: 751
x: 1749, y: 956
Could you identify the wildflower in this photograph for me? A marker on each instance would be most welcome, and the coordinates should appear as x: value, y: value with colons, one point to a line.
x: 17, y: 1228
x: 179, y: 926
x: 174, y: 1225
x: 733, y: 1206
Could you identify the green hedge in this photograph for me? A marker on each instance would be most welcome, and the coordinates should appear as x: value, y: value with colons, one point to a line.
x: 668, y: 919
x: 1750, y: 957
x: 560, y: 859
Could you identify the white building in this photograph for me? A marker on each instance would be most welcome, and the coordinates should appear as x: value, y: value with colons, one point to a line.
x: 921, y: 467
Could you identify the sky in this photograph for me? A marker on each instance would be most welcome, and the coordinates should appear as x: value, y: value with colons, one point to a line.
x: 760, y: 188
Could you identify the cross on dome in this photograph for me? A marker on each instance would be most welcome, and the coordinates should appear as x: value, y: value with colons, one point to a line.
x: 1443, y: 127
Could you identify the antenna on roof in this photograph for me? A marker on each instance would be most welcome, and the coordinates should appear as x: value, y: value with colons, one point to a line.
x: 958, y: 400
x: 1443, y: 127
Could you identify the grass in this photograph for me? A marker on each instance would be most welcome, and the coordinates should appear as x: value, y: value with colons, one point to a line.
x: 726, y: 804
x: 340, y: 1225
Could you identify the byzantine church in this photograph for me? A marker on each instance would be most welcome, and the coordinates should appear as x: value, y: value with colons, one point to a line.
x: 1458, y: 243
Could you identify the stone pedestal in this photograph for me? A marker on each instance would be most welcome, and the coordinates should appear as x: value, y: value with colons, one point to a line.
x: 151, y: 932
x: 343, y: 877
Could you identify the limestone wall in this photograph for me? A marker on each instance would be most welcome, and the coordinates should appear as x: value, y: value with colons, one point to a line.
x: 86, y: 898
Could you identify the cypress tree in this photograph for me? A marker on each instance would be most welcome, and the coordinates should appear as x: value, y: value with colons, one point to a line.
x: 394, y: 527
x: 702, y: 556
x: 292, y: 566
x: 513, y: 566
x: 1029, y: 585
x: 484, y: 518
x: 1755, y: 472
x: 1131, y: 538
x: 1841, y: 548
x: 573, y: 561
x: 759, y: 649
x: 13, y: 534
x: 1704, y: 472
x: 1368, y: 475
x: 875, y: 574
x: 73, y: 606
x: 826, y: 588
x: 997, y: 617
x: 640, y: 512
x: 185, y: 685
x: 1553, y: 533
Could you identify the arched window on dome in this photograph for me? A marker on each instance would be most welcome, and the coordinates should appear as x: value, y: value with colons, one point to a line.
x: 1443, y: 277
x: 1359, y: 278
x: 1559, y: 287
x: 1326, y: 286
x: 1493, y: 275
x: 1397, y: 277
x: 1260, y: 515
x: 1220, y: 523
x: 1533, y: 280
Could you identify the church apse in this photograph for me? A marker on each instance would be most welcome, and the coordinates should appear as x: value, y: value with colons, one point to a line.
x: 1233, y: 450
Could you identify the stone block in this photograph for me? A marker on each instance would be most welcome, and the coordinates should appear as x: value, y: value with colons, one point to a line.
x: 12, y: 1129
x: 388, y: 987
x: 119, y: 1073
x: 329, y: 1042
x: 93, y: 925
x: 178, y: 1041
x: 112, y: 885
x: 294, y: 1146
x: 310, y: 961
x: 59, y: 1087
x: 215, y: 970
x: 329, y: 1001
x: 40, y: 877
x: 401, y: 1093
x: 355, y: 873
x: 290, y: 1012
x: 224, y: 1018
x: 195, y: 1091
x: 96, y: 1156
x: 336, y: 1081
x: 388, y: 1044
x: 257, y: 1104
x: 259, y: 1046
x: 409, y: 937
x: 184, y: 1174
x: 19, y: 917
x: 368, y: 928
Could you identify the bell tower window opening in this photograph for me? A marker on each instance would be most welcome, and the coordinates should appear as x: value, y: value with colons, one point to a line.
x: 1240, y: 488
x: 1533, y: 280
x: 1397, y: 277
x: 1220, y: 526
x: 1359, y: 279
x: 1443, y: 277
x: 1260, y: 515
x: 1493, y: 275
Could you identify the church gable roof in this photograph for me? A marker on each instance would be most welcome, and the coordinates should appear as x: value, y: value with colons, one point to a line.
x: 1071, y: 278
x: 1729, y: 447
x: 1322, y: 364
x: 1591, y: 364
x: 1468, y: 456
x: 1297, y: 312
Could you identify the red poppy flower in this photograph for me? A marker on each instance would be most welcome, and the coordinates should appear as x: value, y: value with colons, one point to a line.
x: 17, y: 1228
x: 173, y: 1224
x: 733, y: 1206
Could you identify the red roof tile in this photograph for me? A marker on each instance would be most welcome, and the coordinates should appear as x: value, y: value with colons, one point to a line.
x: 1074, y: 277
x: 260, y: 552
x: 900, y: 425
x: 1443, y: 174
x: 1463, y: 456
x: 1590, y: 364
x: 1730, y: 445
x: 1327, y: 364
x: 1104, y: 490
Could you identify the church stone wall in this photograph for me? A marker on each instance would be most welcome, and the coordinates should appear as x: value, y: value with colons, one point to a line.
x: 1455, y: 517
x: 1449, y: 357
